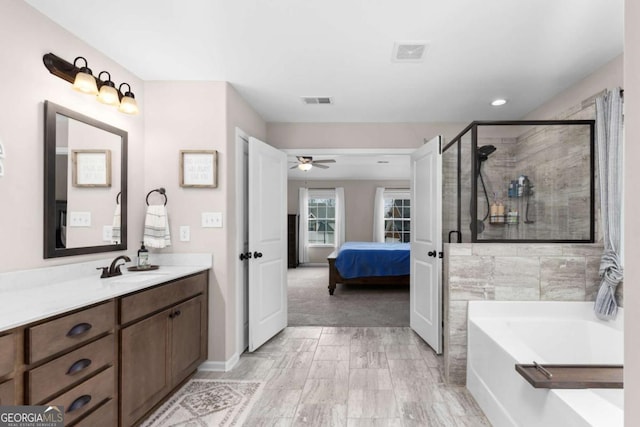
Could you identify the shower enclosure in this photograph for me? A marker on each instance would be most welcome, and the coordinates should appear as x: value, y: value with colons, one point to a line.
x: 520, y: 181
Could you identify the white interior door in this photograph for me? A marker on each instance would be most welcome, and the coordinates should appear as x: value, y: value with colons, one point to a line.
x: 242, y: 241
x: 267, y: 242
x: 426, y: 243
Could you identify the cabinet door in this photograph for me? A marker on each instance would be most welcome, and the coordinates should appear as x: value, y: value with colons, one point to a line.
x: 7, y: 393
x: 187, y: 336
x: 145, y: 365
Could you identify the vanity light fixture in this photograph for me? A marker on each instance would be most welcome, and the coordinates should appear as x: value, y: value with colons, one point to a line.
x: 84, y: 81
x: 128, y: 104
x: 305, y: 166
x: 498, y: 102
x: 108, y: 93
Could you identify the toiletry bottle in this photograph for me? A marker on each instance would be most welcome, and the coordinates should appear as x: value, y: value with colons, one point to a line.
x: 143, y: 257
x: 500, y: 212
x: 493, y: 211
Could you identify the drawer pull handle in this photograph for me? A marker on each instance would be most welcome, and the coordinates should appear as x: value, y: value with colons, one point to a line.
x: 79, y: 366
x: 79, y: 403
x: 80, y: 328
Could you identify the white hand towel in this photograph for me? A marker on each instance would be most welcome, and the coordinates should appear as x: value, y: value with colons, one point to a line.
x: 156, y: 227
x: 115, y: 228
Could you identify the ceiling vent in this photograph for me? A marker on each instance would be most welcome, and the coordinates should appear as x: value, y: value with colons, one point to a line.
x: 317, y: 100
x: 412, y: 51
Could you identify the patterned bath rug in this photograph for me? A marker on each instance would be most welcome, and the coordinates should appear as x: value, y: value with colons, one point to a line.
x: 205, y: 403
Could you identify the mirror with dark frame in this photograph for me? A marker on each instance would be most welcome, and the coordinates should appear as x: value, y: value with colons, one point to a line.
x: 85, y: 184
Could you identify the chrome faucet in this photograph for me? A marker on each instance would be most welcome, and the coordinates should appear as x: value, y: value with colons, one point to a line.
x: 114, y: 268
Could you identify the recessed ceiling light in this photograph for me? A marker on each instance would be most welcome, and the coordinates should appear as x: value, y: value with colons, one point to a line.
x: 498, y: 102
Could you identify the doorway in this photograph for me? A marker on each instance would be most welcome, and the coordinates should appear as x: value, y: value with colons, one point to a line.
x: 242, y: 233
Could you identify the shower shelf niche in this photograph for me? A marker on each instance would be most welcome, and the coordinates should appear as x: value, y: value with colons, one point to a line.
x: 541, y: 173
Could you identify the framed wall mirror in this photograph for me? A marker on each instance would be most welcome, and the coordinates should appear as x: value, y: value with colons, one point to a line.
x: 85, y: 184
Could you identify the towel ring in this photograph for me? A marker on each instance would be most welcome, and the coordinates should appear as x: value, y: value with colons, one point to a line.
x: 118, y: 198
x: 159, y: 190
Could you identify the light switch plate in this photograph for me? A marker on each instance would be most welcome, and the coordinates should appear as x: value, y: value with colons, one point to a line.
x: 79, y: 219
x: 107, y: 233
x: 211, y: 219
x: 185, y: 233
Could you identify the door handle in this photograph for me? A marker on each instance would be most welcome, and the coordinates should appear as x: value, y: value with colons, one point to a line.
x: 245, y: 255
x: 257, y: 254
x: 432, y: 253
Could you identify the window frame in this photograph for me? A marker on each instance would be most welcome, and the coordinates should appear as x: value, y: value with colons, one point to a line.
x: 321, y: 194
x: 397, y: 195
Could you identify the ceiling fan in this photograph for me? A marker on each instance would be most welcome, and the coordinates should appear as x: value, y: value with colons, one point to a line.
x: 305, y: 163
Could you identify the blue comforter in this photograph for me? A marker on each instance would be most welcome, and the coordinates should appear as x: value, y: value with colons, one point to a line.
x: 366, y: 259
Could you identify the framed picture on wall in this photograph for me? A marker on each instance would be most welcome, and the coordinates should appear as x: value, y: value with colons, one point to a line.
x: 199, y: 168
x: 91, y: 168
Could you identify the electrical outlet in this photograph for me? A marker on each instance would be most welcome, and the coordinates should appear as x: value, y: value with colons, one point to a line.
x: 107, y: 233
x: 185, y: 233
x: 79, y: 219
x: 211, y: 219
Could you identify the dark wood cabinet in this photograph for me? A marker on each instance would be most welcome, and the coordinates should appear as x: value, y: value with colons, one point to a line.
x: 160, y: 351
x: 292, y: 241
x: 145, y: 369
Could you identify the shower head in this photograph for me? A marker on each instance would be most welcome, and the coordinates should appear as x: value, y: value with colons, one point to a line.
x: 485, y: 151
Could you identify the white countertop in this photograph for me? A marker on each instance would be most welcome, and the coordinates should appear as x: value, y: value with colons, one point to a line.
x: 32, y: 295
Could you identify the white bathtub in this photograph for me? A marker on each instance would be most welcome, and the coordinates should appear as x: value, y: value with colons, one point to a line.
x: 501, y: 334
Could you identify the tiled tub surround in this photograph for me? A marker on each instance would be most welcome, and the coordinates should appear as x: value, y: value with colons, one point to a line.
x: 504, y: 333
x: 30, y: 295
x: 510, y: 272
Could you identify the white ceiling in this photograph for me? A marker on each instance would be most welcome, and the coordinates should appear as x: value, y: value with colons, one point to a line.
x: 353, y: 164
x: 274, y: 52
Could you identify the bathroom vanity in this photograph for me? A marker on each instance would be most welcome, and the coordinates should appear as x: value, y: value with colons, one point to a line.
x: 112, y: 360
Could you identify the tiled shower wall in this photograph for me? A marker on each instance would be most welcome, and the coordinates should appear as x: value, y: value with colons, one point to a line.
x: 559, y: 208
x: 510, y: 272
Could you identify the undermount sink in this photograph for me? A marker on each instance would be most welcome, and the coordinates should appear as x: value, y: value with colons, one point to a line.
x: 139, y: 277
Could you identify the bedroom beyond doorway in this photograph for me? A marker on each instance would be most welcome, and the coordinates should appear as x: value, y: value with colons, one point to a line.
x: 309, y: 303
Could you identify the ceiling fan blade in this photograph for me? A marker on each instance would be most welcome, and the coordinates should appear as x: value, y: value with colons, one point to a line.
x: 324, y: 161
x: 294, y: 167
x: 320, y: 166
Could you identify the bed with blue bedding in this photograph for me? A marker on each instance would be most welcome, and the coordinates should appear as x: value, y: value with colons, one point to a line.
x: 369, y: 263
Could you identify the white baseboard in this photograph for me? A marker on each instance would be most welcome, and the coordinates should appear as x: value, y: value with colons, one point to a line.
x: 210, y: 365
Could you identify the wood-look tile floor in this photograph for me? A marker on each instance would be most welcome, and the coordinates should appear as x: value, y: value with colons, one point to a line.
x: 352, y: 377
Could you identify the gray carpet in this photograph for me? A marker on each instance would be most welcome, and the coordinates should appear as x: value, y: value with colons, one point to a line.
x: 351, y: 305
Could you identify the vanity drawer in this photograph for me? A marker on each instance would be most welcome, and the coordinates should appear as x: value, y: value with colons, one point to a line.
x: 86, y: 396
x: 104, y: 416
x: 7, y: 354
x: 56, y: 335
x: 70, y: 368
x: 7, y: 393
x: 151, y: 300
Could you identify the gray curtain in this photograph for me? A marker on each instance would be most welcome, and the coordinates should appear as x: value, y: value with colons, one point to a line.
x: 609, y: 145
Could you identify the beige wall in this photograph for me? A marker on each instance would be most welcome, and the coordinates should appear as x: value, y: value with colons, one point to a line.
x: 359, y: 197
x: 632, y: 207
x: 358, y: 135
x: 201, y: 116
x: 608, y: 76
x: 25, y: 84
